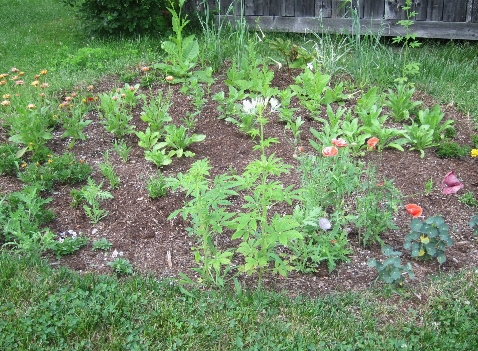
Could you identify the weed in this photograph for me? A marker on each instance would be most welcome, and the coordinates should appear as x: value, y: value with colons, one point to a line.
x: 121, y: 266
x: 68, y: 245
x: 157, y: 186
x: 102, y: 244
x: 391, y: 271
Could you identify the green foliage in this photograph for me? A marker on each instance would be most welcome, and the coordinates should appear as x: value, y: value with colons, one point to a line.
x: 102, y: 244
x: 158, y: 156
x: 122, y: 149
x: 311, y: 90
x: 121, y: 17
x: 295, y: 56
x: 468, y: 199
x: 115, y: 114
x: 157, y: 186
x: 108, y: 171
x: 9, y: 162
x: 68, y: 245
x: 391, y: 271
x: 155, y: 113
x: 433, y: 118
x: 400, y: 102
x: 73, y: 124
x: 178, y: 140
x: 229, y: 106
x: 22, y: 216
x: 91, y: 194
x: 207, y: 213
x: 420, y: 137
x: 474, y: 224
x: 182, y: 52
x: 428, y: 239
x: 121, y: 266
x: 450, y: 149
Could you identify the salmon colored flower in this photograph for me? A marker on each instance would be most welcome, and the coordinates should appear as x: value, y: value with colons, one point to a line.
x: 3, y: 82
x: 329, y: 151
x: 5, y: 102
x: 450, y: 184
x: 19, y: 82
x: 37, y: 76
x: 339, y: 142
x: 372, y: 142
x: 90, y: 87
x: 31, y: 106
x: 15, y: 69
x: 169, y: 78
x: 474, y: 152
x: 414, y: 210
x: 42, y: 95
x: 44, y: 85
x: 300, y: 149
x: 145, y: 69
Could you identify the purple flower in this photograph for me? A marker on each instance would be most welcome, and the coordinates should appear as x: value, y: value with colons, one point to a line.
x: 450, y: 184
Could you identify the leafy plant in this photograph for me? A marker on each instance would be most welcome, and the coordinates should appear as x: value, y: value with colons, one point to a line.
x: 148, y: 138
x: 391, y: 271
x: 182, y: 52
x: 294, y: 55
x: 420, y: 137
x: 121, y: 266
x: 433, y: 119
x: 157, y: 186
x: 102, y: 244
x: 474, y: 224
x: 206, y: 210
x: 428, y: 239
x: 178, y: 140
x: 92, y: 195
x: 108, y: 171
x: 9, y: 162
x: 450, y: 149
x: 68, y: 245
x: 311, y: 88
x: 122, y: 149
x: 115, y: 116
x: 229, y: 106
x: 400, y: 102
x: 73, y: 124
x: 155, y: 113
x: 468, y: 199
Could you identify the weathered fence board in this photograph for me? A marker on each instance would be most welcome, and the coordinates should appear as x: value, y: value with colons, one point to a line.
x: 449, y: 19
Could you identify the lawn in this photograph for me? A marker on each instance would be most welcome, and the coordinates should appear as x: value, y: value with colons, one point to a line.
x: 229, y: 198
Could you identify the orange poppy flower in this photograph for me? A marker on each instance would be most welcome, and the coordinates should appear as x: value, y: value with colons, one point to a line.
x: 372, y: 142
x: 329, y: 151
x: 339, y: 142
x: 414, y: 210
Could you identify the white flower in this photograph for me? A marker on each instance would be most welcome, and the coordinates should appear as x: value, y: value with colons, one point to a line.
x: 249, y: 106
x: 310, y: 66
x: 274, y: 104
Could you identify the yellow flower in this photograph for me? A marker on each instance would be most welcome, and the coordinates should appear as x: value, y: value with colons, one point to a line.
x: 14, y: 78
x: 50, y: 161
x: 23, y: 165
x: 6, y: 96
x: 43, y: 71
x: 421, y: 253
x: 424, y: 239
x: 35, y: 83
x: 3, y: 82
x: 5, y: 103
x: 31, y: 106
x: 474, y: 152
x: 3, y: 75
x: 21, y: 73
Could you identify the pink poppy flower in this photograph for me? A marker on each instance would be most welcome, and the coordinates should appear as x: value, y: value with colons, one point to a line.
x: 450, y: 184
x: 339, y: 142
x: 330, y: 151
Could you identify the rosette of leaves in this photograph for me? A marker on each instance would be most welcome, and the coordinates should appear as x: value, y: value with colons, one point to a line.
x: 429, y: 238
x: 178, y: 140
x: 391, y: 270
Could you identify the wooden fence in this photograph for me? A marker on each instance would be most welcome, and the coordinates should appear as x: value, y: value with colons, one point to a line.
x: 449, y: 19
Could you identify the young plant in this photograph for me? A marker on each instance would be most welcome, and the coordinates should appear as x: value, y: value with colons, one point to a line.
x: 400, y: 102
x: 156, y: 112
x: 9, y: 162
x: 450, y: 149
x: 148, y: 138
x: 468, y: 199
x: 178, y: 140
x: 207, y: 213
x: 474, y: 224
x: 102, y: 244
x: 181, y: 52
x: 74, y: 124
x: 122, y: 149
x: 310, y: 88
x: 391, y: 271
x: 92, y: 195
x: 294, y: 127
x: 68, y: 245
x: 121, y: 266
x: 420, y: 137
x: 433, y: 119
x: 157, y: 186
x: 108, y: 171
x: 229, y: 106
x: 428, y: 239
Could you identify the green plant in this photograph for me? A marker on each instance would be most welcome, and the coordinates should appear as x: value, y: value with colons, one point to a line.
x: 178, y: 140
x: 474, y: 224
x: 157, y: 186
x: 121, y: 266
x: 400, y: 102
x: 148, y: 138
x: 9, y: 162
x: 102, y: 244
x: 408, y: 41
x: 182, y: 52
x: 74, y: 123
x: 391, y: 271
x: 311, y: 89
x: 433, y: 118
x: 450, y: 149
x: 228, y: 106
x: 92, y: 195
x: 111, y: 17
x: 428, y: 239
x: 122, y: 149
x: 294, y: 127
x: 295, y: 56
x: 108, y: 171
x: 468, y: 199
x: 208, y: 217
x: 68, y: 245
x: 474, y: 140
x: 155, y: 113
x: 158, y: 156
x: 115, y: 116
x: 420, y: 137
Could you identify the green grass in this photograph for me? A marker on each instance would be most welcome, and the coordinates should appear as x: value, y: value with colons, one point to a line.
x: 46, y: 309
x: 51, y: 309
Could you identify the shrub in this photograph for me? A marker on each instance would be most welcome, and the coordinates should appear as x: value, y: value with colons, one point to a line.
x: 127, y: 17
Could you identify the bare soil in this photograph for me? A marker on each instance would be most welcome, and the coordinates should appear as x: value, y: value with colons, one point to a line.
x: 138, y: 228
